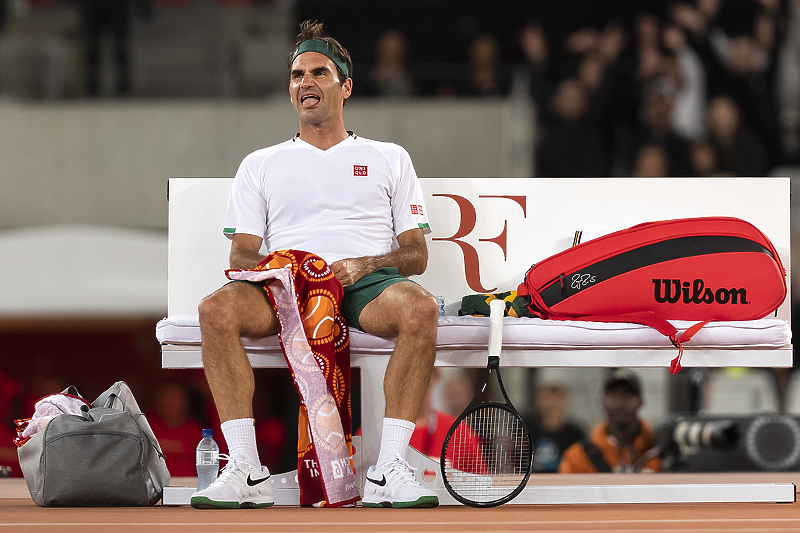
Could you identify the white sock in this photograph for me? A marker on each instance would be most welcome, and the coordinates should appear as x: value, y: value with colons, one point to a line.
x: 240, y: 436
x: 394, y: 440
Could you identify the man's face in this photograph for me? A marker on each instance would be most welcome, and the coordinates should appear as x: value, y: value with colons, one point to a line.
x: 551, y: 400
x: 621, y: 406
x: 315, y: 88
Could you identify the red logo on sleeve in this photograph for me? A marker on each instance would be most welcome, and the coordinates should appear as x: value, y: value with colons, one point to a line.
x: 416, y: 209
x: 359, y: 170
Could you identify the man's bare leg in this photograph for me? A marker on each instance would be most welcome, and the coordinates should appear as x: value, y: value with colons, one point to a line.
x: 236, y: 310
x: 411, y: 313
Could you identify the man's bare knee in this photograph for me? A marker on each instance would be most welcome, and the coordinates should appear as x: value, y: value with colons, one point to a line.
x: 403, y: 309
x: 237, y: 308
x: 214, y: 311
x: 421, y: 316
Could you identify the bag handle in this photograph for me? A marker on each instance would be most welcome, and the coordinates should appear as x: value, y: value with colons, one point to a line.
x: 72, y: 390
x: 109, y: 403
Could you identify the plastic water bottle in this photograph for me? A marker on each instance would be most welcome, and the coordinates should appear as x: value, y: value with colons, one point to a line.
x: 441, y: 302
x: 207, y: 459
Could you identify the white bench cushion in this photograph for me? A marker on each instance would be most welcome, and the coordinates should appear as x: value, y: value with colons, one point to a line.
x: 472, y: 333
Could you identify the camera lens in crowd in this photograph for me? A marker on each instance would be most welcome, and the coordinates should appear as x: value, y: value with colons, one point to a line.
x: 706, y: 434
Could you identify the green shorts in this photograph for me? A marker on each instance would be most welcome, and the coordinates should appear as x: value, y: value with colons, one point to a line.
x: 360, y: 293
x: 363, y: 291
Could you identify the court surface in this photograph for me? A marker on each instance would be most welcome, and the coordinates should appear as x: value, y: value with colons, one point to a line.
x: 18, y: 514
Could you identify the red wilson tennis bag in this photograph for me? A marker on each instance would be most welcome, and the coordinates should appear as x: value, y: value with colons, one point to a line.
x: 715, y: 268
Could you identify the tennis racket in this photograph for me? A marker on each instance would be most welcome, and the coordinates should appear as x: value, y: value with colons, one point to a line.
x: 487, y: 455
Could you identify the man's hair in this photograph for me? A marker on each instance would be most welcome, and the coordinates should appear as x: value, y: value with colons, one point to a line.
x: 311, y: 29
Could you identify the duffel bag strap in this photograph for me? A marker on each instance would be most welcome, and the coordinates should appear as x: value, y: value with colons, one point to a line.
x: 645, y: 318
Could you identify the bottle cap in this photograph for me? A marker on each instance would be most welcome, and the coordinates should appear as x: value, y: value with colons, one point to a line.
x: 208, y: 433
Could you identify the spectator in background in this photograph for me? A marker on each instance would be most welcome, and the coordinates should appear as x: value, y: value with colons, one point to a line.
x: 431, y: 429
x: 651, y: 162
x: 113, y: 16
x: 788, y: 84
x: 177, y: 433
x: 575, y: 113
x: 573, y: 141
x: 655, y: 127
x: 738, y: 148
x: 624, y: 442
x: 484, y: 68
x: 682, y: 64
x: 739, y: 64
x: 458, y: 390
x: 432, y: 425
x: 551, y: 431
x: 390, y: 75
x: 533, y: 42
x: 647, y: 29
x: 703, y: 159
x: 535, y: 48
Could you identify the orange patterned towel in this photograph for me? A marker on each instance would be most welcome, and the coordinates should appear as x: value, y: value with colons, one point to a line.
x: 315, y: 341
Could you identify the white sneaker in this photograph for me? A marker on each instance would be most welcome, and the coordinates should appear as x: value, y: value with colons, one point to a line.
x: 393, y: 485
x: 239, y: 486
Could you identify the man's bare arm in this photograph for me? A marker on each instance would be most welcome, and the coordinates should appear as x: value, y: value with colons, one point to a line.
x: 245, y: 251
x: 410, y: 258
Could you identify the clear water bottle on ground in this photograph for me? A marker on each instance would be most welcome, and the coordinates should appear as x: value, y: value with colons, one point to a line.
x: 207, y: 460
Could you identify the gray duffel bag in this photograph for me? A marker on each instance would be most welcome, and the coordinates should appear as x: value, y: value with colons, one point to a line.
x: 106, y: 456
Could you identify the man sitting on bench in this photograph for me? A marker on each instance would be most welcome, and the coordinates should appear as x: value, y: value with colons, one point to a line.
x: 344, y: 198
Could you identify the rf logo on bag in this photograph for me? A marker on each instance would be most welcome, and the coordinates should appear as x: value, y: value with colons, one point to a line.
x: 467, y: 222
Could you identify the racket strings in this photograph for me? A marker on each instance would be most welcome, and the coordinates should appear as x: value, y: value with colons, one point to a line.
x: 488, y: 455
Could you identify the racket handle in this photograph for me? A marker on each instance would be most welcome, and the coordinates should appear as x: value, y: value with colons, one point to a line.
x: 496, y: 311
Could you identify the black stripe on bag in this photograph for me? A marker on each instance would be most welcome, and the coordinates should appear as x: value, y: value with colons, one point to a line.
x: 644, y: 256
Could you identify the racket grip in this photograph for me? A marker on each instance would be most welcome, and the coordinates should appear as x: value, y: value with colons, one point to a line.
x: 496, y: 310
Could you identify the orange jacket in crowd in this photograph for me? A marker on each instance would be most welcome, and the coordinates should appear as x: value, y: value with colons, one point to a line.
x: 575, y: 460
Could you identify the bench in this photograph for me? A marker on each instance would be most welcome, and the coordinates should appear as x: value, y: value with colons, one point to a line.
x: 486, y: 234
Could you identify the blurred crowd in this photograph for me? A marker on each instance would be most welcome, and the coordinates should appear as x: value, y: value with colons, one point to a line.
x: 690, y: 88
x: 621, y: 87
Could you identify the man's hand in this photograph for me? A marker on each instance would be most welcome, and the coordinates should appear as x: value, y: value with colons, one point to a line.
x: 350, y: 270
x: 410, y: 258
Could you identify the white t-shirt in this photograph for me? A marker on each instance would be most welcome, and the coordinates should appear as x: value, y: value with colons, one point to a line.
x: 348, y: 201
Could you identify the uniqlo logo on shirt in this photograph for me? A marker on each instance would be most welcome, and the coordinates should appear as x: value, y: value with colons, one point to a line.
x: 359, y: 170
x: 416, y: 209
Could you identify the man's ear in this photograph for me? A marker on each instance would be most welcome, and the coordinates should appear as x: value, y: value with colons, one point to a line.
x: 347, y: 87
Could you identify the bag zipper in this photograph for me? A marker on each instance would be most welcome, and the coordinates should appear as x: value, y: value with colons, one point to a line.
x: 131, y: 436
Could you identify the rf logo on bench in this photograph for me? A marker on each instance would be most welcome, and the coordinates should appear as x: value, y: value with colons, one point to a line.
x: 469, y: 218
